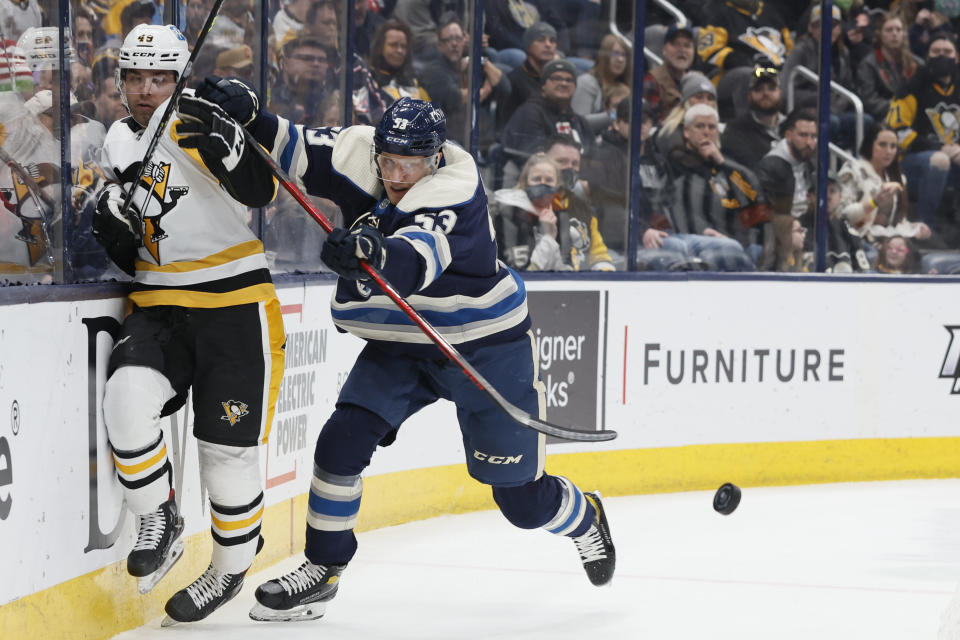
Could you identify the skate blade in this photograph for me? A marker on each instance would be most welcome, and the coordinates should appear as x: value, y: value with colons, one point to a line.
x: 168, y: 622
x: 146, y: 583
x: 310, y: 611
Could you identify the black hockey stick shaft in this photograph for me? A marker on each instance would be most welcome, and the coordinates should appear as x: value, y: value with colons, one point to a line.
x: 516, y: 413
x: 165, y: 117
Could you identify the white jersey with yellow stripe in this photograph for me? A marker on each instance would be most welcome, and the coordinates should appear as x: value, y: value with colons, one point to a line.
x: 197, y: 249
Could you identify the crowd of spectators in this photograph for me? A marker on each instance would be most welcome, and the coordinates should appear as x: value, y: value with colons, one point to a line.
x: 728, y: 172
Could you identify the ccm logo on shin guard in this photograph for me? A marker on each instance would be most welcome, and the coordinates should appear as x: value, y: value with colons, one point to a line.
x: 479, y: 455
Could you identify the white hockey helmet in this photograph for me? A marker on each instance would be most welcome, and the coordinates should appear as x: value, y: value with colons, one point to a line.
x: 41, y: 47
x: 153, y: 47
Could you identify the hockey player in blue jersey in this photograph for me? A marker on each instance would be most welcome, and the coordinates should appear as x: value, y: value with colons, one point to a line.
x: 415, y: 208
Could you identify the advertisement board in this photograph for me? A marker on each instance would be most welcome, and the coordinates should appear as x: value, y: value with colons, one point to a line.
x: 668, y: 365
x: 566, y: 329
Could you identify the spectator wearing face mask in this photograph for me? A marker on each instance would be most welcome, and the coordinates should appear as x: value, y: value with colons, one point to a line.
x: 926, y: 116
x: 574, y: 198
x: 531, y: 234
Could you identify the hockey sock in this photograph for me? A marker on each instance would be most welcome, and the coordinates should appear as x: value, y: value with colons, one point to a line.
x: 232, y: 477
x: 145, y: 475
x: 236, y: 532
x: 575, y: 515
x: 334, y: 503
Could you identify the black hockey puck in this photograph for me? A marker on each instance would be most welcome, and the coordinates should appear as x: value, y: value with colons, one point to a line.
x: 726, y: 499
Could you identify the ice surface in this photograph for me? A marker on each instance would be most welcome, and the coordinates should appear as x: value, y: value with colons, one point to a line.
x: 867, y: 560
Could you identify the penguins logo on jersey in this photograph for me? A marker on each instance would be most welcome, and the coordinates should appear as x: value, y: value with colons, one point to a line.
x: 31, y: 233
x: 945, y: 119
x: 234, y: 410
x: 156, y: 180
x: 766, y: 40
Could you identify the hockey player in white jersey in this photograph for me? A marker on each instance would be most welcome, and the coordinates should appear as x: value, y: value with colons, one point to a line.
x: 205, y: 317
x: 416, y: 209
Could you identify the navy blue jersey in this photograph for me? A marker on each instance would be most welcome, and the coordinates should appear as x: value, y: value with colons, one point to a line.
x: 441, y: 247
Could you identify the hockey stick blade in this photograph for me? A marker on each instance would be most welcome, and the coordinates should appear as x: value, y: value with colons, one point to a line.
x: 171, y: 103
x: 516, y: 413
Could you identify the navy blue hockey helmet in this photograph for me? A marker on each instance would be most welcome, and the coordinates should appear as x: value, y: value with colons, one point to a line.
x: 411, y: 128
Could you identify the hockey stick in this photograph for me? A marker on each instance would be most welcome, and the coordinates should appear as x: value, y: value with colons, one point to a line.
x: 517, y: 414
x: 165, y: 117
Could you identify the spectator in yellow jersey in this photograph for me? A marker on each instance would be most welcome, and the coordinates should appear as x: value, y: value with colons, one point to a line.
x: 926, y: 116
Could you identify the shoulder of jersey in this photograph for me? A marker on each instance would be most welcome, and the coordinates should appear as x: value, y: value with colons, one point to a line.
x: 454, y: 185
x: 123, y: 130
x: 351, y: 157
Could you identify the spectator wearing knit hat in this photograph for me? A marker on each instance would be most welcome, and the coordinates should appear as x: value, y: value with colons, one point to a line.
x: 540, y: 45
x: 695, y: 88
x: 549, y: 113
x: 507, y: 21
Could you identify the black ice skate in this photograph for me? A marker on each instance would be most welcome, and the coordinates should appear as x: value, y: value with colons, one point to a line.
x: 158, y: 545
x: 302, y: 594
x: 202, y: 597
x: 596, y: 546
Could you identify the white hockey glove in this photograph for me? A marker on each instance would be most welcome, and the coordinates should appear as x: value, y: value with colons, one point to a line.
x: 114, y: 231
x: 207, y: 128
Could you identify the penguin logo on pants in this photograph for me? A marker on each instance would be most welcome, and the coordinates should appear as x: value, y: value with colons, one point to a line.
x: 234, y: 410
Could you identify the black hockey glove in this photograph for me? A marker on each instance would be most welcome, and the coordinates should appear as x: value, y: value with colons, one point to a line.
x: 113, y: 231
x: 207, y: 128
x: 235, y: 97
x: 343, y: 250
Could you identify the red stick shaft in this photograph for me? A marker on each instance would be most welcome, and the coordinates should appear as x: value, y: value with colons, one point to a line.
x: 412, y: 313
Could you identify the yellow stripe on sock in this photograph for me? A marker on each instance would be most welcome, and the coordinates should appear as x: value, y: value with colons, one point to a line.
x: 233, y: 525
x: 133, y: 469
